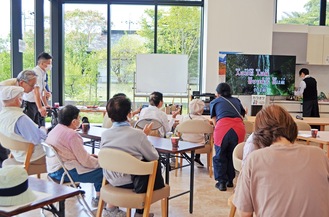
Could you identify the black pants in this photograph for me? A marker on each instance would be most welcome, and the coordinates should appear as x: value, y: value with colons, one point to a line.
x: 31, y: 110
x: 223, y: 160
x: 311, y: 109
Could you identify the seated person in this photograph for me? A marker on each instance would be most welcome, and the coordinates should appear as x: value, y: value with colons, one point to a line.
x: 83, y: 167
x: 196, y: 107
x: 126, y: 138
x: 153, y: 112
x: 18, y: 126
x: 248, y: 148
x: 282, y: 178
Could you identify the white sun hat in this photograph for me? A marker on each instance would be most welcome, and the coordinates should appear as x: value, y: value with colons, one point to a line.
x: 14, y: 188
x: 196, y: 106
x: 10, y: 92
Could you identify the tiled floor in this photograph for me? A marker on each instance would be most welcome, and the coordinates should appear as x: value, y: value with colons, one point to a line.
x: 208, y: 201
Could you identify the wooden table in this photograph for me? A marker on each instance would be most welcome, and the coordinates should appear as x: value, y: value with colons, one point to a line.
x: 322, y: 122
x: 163, y: 146
x: 322, y: 138
x: 98, y: 109
x: 58, y: 193
x: 94, y: 134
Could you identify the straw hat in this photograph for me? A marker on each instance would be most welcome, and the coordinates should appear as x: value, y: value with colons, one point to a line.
x: 10, y: 92
x: 14, y: 187
x: 196, y: 107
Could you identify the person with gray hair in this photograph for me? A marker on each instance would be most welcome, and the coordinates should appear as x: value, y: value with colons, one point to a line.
x: 196, y: 107
x: 25, y: 79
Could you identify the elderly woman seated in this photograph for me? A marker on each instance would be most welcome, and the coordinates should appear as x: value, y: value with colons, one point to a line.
x: 282, y: 178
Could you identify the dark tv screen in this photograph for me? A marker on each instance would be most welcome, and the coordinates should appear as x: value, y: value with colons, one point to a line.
x: 271, y: 75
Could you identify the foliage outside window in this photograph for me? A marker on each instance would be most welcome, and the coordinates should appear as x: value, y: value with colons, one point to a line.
x: 308, y: 15
x: 5, y: 72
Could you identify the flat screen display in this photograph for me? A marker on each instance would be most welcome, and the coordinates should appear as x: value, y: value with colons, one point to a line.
x: 271, y: 75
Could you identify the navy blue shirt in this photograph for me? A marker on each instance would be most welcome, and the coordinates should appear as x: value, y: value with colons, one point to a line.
x: 220, y: 108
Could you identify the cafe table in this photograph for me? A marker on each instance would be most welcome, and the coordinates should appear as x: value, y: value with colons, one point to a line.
x: 163, y: 146
x: 322, y: 122
x: 54, y: 193
x: 322, y: 138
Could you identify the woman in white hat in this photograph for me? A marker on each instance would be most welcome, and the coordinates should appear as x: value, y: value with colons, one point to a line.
x: 196, y: 107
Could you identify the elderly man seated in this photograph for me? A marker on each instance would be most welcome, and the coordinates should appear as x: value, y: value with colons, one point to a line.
x: 18, y: 126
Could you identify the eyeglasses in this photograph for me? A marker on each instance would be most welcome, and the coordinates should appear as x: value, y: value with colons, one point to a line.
x: 29, y: 84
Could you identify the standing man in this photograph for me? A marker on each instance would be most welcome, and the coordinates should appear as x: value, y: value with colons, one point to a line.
x: 308, y: 90
x: 35, y: 103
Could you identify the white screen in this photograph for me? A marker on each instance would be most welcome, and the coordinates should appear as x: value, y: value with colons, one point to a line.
x: 166, y: 73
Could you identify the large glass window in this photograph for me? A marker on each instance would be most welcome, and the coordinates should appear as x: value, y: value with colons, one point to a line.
x: 28, y: 33
x: 85, y: 54
x: 5, y: 71
x: 132, y: 33
x: 179, y: 33
x: 305, y: 12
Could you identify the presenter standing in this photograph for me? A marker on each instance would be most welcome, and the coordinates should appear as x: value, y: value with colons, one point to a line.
x: 308, y: 90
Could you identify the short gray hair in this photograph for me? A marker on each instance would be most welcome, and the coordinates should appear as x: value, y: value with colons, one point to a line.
x: 26, y: 75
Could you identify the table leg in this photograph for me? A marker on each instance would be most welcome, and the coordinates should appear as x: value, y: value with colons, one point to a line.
x: 322, y: 127
x: 192, y: 182
x: 167, y: 177
x: 93, y: 146
x: 61, y: 209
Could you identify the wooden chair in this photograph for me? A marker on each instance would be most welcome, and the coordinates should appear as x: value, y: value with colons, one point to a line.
x: 200, y: 127
x: 51, y: 152
x: 122, y: 162
x: 301, y: 125
x: 107, y: 123
x: 237, y: 163
x: 249, y: 126
x: 15, y: 145
x: 157, y: 125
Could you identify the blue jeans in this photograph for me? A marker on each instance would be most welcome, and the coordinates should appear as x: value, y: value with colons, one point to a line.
x: 95, y: 177
x: 223, y: 160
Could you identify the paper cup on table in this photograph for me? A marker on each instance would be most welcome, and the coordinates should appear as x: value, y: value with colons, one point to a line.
x: 85, y: 127
x: 56, y: 104
x: 314, y: 133
x: 174, y: 141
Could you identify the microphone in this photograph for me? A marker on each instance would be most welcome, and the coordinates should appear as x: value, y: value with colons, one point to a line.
x: 299, y: 117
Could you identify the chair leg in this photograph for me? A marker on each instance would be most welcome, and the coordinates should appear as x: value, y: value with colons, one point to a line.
x: 176, y: 163
x: 38, y: 176
x: 164, y: 205
x: 209, y: 157
x: 232, y: 211
x: 100, y: 207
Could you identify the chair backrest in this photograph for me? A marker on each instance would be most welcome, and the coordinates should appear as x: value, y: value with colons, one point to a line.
x: 51, y: 152
x: 249, y: 126
x: 303, y: 126
x: 195, y: 126
x: 107, y: 123
x: 119, y: 161
x: 238, y: 156
x: 140, y: 124
x: 16, y: 145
